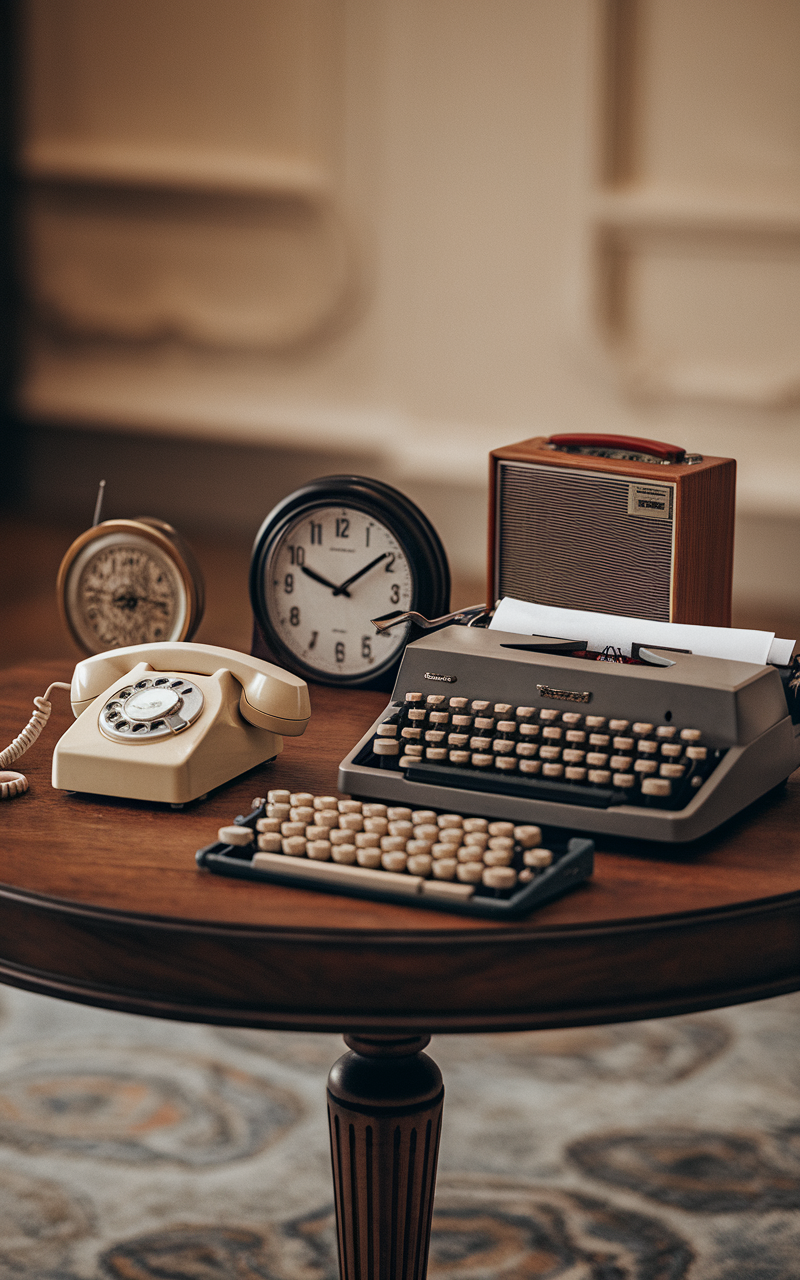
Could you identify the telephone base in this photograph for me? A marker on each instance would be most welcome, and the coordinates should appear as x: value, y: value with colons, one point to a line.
x: 217, y: 747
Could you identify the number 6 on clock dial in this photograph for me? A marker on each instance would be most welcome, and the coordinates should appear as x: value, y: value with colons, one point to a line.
x: 333, y: 555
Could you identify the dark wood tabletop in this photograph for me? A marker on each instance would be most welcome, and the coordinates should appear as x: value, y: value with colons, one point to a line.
x: 101, y: 902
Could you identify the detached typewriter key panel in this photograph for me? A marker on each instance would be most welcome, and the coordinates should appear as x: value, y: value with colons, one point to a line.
x: 566, y: 756
x: 449, y: 861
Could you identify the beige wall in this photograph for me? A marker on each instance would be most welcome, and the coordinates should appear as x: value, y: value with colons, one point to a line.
x: 401, y: 232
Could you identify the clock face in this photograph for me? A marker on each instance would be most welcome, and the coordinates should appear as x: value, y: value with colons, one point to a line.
x: 330, y: 570
x: 122, y: 589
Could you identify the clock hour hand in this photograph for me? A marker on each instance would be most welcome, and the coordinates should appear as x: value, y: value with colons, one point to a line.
x: 342, y: 590
x: 337, y: 591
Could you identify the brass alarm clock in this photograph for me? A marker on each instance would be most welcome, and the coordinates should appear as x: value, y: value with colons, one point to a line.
x: 126, y: 582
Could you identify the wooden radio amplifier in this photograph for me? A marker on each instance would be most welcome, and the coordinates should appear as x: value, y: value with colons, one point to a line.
x: 613, y: 524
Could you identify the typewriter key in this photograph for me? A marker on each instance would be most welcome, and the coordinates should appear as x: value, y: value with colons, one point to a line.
x: 294, y: 846
x: 269, y: 842
x: 528, y: 836
x: 367, y: 840
x: 444, y: 868
x: 575, y: 773
x: 337, y: 836
x: 498, y: 857
x: 293, y: 828
x: 368, y: 857
x: 537, y: 858
x: 500, y: 828
x: 656, y: 787
x: 304, y: 814
x: 499, y: 877
x: 469, y: 872
x: 345, y: 853
x: 268, y: 824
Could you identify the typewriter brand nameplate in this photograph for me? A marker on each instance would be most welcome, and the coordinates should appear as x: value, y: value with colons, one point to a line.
x: 650, y: 500
x: 565, y: 695
x: 435, y: 675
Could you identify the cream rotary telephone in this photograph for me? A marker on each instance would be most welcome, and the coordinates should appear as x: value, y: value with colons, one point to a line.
x: 169, y: 722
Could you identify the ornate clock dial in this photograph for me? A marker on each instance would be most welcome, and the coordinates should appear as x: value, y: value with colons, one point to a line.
x: 129, y: 582
x: 127, y: 593
x: 332, y: 569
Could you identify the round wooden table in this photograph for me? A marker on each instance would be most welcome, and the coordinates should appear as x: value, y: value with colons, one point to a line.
x: 101, y: 902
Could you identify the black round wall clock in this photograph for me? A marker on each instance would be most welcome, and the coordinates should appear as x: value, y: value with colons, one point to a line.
x: 334, y: 554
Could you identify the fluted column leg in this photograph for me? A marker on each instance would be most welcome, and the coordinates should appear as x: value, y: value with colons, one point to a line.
x: 385, y: 1102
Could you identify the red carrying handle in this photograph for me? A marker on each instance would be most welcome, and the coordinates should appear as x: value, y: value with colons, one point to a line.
x: 631, y: 444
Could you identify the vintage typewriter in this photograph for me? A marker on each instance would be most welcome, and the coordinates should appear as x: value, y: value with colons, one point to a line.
x: 534, y: 731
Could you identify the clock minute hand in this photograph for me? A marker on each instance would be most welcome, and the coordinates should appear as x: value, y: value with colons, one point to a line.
x: 342, y: 590
x: 337, y: 591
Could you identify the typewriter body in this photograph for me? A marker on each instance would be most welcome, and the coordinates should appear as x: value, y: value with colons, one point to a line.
x: 486, y: 722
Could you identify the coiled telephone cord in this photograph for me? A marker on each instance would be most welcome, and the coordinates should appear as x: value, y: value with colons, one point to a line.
x: 11, y: 782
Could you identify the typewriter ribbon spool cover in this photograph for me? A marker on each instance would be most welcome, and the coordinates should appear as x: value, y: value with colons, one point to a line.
x: 613, y: 524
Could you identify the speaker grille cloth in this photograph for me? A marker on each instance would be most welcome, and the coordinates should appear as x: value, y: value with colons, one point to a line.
x: 566, y: 539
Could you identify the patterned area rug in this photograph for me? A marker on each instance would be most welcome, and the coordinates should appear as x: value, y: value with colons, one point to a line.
x: 132, y: 1149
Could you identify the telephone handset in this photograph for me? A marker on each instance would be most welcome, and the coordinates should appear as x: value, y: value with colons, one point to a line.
x: 171, y: 721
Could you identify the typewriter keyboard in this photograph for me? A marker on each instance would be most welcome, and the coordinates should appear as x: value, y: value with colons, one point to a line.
x: 541, y: 753
x: 375, y: 850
